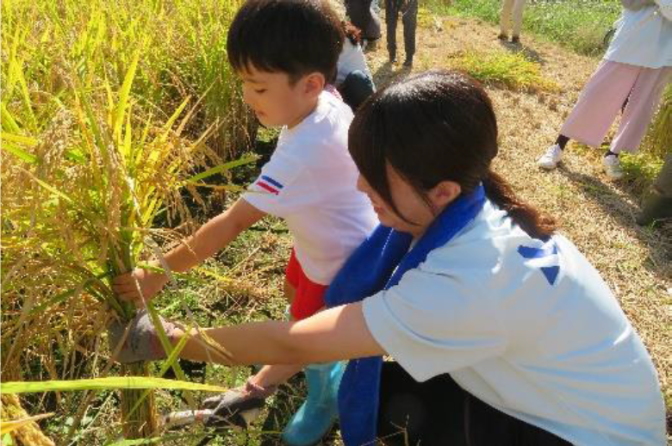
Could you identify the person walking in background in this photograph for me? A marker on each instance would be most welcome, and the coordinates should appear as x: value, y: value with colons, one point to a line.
x: 636, y: 67
x: 409, y: 18
x: 363, y: 16
x: 512, y: 16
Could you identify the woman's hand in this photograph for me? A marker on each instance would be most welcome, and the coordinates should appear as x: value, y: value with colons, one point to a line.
x: 129, y: 286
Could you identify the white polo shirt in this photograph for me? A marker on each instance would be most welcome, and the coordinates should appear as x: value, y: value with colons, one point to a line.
x: 529, y: 328
x: 311, y: 182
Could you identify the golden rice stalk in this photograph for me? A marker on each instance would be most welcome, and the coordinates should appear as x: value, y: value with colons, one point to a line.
x: 28, y: 432
x: 661, y: 130
x: 89, y: 164
x: 79, y: 205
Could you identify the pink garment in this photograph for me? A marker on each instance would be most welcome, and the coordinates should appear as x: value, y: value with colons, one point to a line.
x: 602, y: 98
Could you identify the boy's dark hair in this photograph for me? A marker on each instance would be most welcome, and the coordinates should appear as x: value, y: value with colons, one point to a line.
x: 433, y: 127
x: 296, y: 37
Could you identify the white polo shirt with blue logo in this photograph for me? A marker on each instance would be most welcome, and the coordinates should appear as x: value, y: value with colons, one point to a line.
x: 311, y: 182
x: 527, y: 327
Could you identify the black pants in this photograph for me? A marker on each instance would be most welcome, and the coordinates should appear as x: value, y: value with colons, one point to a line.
x: 438, y: 412
x: 356, y: 88
x: 409, y: 18
x: 364, y: 18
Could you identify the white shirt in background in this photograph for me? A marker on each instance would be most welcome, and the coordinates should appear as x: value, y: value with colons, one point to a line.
x: 643, y: 38
x: 528, y: 327
x: 665, y: 8
x: 351, y: 58
x: 310, y: 181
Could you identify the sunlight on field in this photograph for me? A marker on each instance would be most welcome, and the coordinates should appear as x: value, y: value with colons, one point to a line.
x: 512, y: 70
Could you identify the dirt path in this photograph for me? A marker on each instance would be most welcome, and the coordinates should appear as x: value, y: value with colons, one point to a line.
x: 595, y: 213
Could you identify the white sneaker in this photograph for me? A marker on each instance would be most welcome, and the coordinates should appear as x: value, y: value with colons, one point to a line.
x: 551, y: 158
x: 612, y: 167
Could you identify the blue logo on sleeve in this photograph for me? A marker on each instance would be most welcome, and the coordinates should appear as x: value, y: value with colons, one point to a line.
x: 546, y: 258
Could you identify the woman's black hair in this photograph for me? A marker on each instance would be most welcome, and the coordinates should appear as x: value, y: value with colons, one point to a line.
x: 296, y: 37
x: 433, y: 127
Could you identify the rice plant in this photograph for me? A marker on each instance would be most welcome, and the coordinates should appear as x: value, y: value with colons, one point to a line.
x: 106, y: 122
x: 660, y: 135
x: 643, y: 167
x: 77, y: 206
x: 25, y: 427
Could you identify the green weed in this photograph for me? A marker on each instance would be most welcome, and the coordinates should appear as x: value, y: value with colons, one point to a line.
x: 641, y: 168
x: 511, y: 70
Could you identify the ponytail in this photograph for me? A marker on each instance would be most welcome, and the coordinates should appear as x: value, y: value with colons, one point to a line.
x: 528, y: 218
x: 433, y: 127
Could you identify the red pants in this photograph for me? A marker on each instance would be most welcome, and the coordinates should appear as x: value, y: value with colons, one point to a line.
x: 309, y: 297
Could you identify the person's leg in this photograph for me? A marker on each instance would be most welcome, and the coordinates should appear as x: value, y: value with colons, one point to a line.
x: 517, y: 17
x: 362, y: 17
x: 550, y: 159
x: 505, y: 19
x: 352, y: 12
x: 410, y: 22
x: 597, y: 107
x: 640, y: 108
x: 487, y: 426
x: 599, y: 103
x: 356, y: 88
x: 641, y: 105
x: 562, y: 141
x: 271, y: 376
x: 314, y: 419
x: 319, y: 412
x: 372, y: 30
x: 412, y: 413
x: 391, y: 13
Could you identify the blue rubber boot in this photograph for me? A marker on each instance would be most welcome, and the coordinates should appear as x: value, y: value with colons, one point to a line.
x: 317, y: 415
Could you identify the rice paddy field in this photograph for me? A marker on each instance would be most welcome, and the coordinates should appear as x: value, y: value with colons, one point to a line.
x: 123, y: 129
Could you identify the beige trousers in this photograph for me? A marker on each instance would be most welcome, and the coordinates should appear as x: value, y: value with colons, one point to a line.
x: 512, y: 12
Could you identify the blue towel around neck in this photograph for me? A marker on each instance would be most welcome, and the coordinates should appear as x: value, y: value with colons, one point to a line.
x: 378, y: 264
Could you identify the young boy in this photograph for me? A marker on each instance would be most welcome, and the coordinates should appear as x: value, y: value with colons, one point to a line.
x: 286, y: 51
